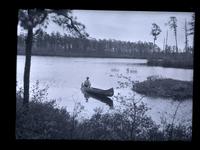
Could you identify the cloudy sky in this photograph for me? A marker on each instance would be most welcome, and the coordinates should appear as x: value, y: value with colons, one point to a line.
x: 130, y: 25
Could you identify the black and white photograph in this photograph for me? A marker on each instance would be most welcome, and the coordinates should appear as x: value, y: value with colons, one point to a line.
x: 106, y: 75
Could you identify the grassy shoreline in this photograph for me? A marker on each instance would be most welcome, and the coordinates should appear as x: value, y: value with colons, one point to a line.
x: 176, y: 61
x: 165, y: 88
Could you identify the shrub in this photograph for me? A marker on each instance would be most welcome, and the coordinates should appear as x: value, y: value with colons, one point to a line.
x: 167, y: 88
x: 43, y: 120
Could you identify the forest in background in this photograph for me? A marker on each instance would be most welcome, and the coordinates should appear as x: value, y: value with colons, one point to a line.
x: 68, y: 46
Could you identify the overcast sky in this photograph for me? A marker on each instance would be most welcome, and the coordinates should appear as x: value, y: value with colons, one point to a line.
x: 130, y: 25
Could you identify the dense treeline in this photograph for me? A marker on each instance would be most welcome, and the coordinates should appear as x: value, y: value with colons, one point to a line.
x: 65, y: 45
x: 68, y: 46
x: 58, y: 45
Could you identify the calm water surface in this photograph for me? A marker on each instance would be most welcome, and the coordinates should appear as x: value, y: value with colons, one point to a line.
x: 65, y: 75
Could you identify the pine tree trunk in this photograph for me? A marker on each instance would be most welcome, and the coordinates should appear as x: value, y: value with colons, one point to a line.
x: 186, y: 37
x: 154, y: 41
x: 176, y: 42
x: 166, y: 41
x: 27, y: 67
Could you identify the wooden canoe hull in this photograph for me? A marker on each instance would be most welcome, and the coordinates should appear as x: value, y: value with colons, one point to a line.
x: 109, y: 92
x: 103, y: 99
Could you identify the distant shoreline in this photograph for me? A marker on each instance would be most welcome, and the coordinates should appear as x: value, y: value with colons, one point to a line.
x: 75, y: 56
x: 171, y: 63
x: 150, y: 62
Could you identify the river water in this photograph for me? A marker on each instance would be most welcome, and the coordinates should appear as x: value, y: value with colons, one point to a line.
x: 65, y: 75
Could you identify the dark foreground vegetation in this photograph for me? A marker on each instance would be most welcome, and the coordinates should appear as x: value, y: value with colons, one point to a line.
x: 167, y: 88
x: 45, y: 121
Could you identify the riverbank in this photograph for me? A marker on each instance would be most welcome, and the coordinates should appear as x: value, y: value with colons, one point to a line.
x: 167, y: 62
x: 176, y: 61
x: 165, y: 88
x: 86, y: 55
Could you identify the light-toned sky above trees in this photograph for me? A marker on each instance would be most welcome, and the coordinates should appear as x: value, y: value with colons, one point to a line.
x: 130, y: 25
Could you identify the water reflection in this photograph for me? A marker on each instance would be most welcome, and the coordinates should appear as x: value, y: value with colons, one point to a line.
x: 101, y: 98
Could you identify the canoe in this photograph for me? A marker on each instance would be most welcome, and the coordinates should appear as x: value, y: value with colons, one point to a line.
x: 91, y: 90
x: 101, y: 98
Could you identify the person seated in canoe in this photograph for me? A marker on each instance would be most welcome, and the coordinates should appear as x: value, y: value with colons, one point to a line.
x: 87, y: 83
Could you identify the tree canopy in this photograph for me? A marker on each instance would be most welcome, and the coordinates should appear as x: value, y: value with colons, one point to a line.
x: 155, y: 30
x: 37, y: 18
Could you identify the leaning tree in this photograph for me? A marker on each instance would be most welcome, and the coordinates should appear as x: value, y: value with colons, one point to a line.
x: 155, y: 32
x: 33, y: 21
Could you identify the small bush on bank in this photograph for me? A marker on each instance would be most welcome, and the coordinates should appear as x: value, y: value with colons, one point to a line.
x: 167, y: 88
